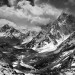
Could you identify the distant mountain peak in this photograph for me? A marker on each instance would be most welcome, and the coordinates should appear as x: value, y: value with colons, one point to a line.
x: 62, y: 16
x: 9, y: 28
x: 5, y: 27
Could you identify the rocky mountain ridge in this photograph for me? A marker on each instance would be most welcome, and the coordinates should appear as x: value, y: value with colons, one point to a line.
x: 54, y: 32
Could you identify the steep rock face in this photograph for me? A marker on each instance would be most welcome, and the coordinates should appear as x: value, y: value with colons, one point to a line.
x: 64, y: 25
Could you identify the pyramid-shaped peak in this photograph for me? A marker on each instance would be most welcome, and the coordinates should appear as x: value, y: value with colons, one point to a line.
x: 6, y: 26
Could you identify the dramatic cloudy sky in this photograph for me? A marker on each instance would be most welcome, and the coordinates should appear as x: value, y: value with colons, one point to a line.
x: 42, y: 13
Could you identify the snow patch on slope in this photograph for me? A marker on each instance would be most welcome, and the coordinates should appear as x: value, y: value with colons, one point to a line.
x: 51, y: 47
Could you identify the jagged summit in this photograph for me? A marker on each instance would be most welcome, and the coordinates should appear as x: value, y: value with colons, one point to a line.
x: 63, y: 16
x: 7, y: 27
x: 65, y: 23
x: 66, y: 16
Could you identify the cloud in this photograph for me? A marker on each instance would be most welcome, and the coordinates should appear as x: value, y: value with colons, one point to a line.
x: 28, y: 15
x: 37, y: 11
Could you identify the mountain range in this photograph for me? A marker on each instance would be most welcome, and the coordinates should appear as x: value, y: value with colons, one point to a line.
x: 45, y: 52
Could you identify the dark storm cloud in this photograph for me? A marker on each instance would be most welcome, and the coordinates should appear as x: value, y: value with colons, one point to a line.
x: 70, y: 2
x: 65, y: 5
